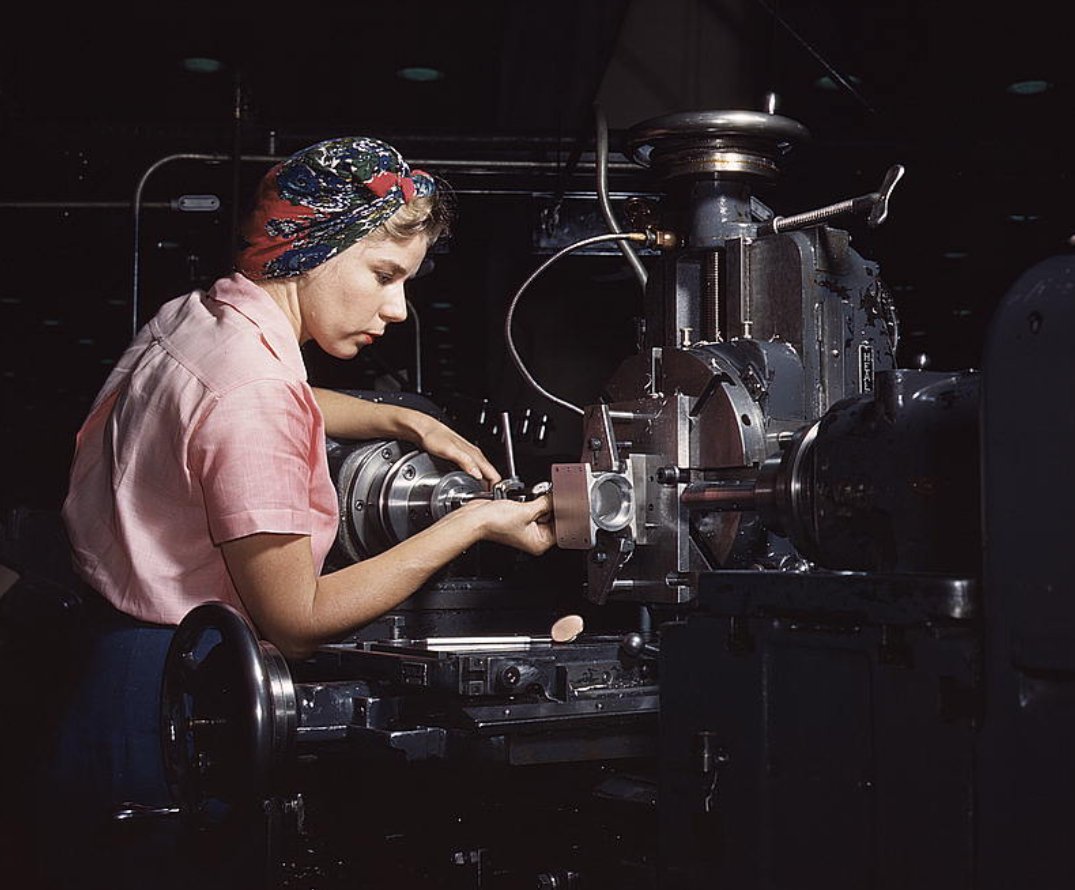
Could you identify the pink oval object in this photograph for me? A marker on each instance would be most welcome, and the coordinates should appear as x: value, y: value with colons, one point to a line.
x: 565, y: 629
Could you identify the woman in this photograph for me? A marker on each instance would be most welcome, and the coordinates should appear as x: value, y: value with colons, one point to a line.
x: 201, y: 473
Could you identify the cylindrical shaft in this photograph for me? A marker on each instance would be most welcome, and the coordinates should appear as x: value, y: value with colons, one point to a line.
x: 733, y: 495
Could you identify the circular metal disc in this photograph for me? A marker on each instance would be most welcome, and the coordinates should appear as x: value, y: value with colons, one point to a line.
x: 360, y: 482
x: 743, y: 142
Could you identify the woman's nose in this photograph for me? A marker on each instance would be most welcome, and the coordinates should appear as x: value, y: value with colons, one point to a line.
x: 394, y: 307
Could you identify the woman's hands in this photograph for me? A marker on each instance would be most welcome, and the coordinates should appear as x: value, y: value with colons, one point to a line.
x: 349, y: 417
x: 442, y: 441
x: 524, y: 525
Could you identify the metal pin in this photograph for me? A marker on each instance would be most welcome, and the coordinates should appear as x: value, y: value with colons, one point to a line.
x: 509, y: 448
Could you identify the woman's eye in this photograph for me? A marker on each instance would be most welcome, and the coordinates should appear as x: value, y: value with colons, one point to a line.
x: 384, y: 278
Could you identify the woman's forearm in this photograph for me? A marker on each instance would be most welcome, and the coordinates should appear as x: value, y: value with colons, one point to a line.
x: 355, y: 595
x: 349, y: 417
x: 297, y: 611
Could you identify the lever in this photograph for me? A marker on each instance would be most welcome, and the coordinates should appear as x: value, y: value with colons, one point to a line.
x: 873, y: 204
x: 635, y: 645
x: 511, y: 485
x: 509, y: 446
x: 879, y: 212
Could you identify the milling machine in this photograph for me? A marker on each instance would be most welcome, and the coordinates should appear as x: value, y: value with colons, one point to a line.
x: 795, y: 525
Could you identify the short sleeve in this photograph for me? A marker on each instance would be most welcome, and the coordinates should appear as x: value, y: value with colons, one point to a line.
x: 251, y: 454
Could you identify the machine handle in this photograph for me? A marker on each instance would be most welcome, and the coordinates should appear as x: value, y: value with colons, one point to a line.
x: 874, y: 204
x: 879, y: 212
x: 509, y: 445
x: 636, y: 646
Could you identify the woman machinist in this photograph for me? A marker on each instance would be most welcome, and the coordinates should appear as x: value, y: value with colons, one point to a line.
x: 201, y: 471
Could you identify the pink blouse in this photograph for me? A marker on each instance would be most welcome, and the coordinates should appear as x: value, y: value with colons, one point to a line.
x: 205, y: 431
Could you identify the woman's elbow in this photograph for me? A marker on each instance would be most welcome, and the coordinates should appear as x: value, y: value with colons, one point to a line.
x: 293, y: 646
x: 296, y: 651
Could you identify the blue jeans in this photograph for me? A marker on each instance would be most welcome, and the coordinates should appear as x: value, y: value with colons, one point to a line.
x: 106, y: 753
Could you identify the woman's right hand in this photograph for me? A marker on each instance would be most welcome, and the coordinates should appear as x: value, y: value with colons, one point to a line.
x: 524, y: 525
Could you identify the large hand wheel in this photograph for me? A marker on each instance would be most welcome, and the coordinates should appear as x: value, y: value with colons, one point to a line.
x: 228, y: 712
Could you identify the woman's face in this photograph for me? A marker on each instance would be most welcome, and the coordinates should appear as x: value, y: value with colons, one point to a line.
x: 347, y: 302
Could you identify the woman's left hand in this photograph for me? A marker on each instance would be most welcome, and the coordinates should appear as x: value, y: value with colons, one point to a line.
x: 442, y: 441
x: 348, y: 417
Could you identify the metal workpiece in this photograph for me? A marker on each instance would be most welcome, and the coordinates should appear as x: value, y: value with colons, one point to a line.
x: 571, y: 483
x: 585, y: 502
x: 711, y: 421
x: 658, y: 426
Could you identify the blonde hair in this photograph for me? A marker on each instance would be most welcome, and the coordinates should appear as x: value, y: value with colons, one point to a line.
x: 428, y: 214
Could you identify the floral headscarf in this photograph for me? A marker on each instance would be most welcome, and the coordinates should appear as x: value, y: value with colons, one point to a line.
x: 322, y: 200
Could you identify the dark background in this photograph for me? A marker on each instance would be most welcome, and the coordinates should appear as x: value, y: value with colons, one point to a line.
x: 89, y: 105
